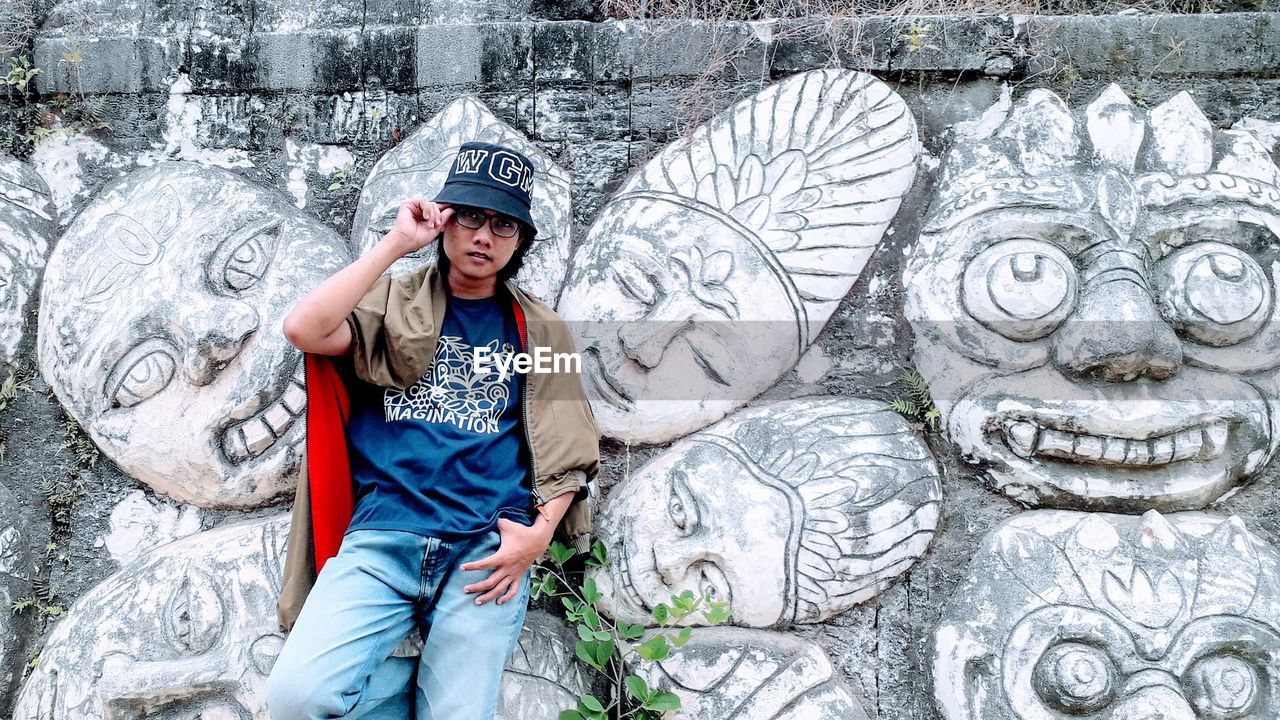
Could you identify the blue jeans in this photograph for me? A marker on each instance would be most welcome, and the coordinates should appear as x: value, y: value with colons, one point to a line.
x: 382, y: 585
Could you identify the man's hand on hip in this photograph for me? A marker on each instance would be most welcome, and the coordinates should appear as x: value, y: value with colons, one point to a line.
x: 521, y: 546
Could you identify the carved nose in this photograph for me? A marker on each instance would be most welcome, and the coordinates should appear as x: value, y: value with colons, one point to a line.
x: 212, y: 335
x: 1117, y: 334
x: 646, y: 341
x: 1154, y: 703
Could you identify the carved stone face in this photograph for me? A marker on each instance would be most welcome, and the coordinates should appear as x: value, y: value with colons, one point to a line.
x: 1093, y: 301
x: 717, y: 264
x: 418, y: 166
x: 160, y: 330
x: 16, y: 570
x: 790, y: 512
x: 187, y: 630
x: 738, y: 674
x: 27, y: 224
x: 1112, y: 617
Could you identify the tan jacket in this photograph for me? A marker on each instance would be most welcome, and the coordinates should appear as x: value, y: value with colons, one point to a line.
x: 396, y: 327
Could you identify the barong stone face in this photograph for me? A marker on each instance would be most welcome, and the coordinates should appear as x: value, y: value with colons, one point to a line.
x: 738, y: 674
x: 1112, y: 617
x: 543, y: 677
x: 27, y: 224
x: 418, y: 166
x: 791, y: 512
x: 160, y: 330
x: 1093, y: 300
x: 17, y: 567
x: 718, y: 263
x: 187, y: 630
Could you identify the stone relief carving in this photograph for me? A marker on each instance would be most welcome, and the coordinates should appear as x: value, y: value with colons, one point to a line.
x: 1093, y: 300
x: 1069, y: 614
x: 16, y: 570
x: 737, y: 674
x: 791, y: 512
x: 543, y: 676
x: 718, y: 263
x: 27, y: 223
x: 187, y: 630
x: 159, y: 330
x: 417, y: 167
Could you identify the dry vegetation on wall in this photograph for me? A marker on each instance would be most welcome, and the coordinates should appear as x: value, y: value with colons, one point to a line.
x: 763, y: 9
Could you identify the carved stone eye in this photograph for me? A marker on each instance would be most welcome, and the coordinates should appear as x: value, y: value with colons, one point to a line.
x: 1213, y: 293
x: 1022, y: 289
x: 194, y: 614
x: 145, y: 377
x: 1075, y: 678
x: 1222, y: 687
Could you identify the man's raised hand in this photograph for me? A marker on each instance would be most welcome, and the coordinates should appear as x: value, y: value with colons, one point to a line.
x: 417, y: 224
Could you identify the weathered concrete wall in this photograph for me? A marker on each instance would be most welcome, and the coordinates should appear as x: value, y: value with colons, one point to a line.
x: 306, y: 99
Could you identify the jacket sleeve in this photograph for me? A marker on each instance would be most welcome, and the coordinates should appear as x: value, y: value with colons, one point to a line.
x: 300, y: 558
x: 394, y: 329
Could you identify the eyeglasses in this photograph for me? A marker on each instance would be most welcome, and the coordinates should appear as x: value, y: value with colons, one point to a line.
x: 500, y: 225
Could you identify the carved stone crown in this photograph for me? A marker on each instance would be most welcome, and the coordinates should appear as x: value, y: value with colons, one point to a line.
x: 1042, y: 150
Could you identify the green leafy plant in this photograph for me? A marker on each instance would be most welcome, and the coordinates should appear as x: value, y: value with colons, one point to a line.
x: 20, y: 73
x: 339, y: 177
x: 606, y: 646
x: 42, y: 601
x: 916, y: 404
x: 75, y: 440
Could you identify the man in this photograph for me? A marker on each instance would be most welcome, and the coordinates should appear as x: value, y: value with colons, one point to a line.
x: 458, y: 477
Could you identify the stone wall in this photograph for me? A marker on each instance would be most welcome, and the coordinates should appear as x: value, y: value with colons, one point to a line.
x: 300, y: 100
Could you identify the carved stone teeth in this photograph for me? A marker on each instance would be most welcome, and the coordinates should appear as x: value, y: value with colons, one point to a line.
x: 278, y: 418
x: 1188, y: 444
x: 1162, y: 449
x: 1056, y: 442
x: 1114, y: 450
x: 1136, y: 452
x: 1026, y: 439
x: 1089, y: 446
x: 233, y: 444
x: 1021, y: 437
x: 294, y: 399
x: 257, y: 435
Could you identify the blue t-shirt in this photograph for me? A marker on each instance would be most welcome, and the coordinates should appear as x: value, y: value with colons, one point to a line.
x: 445, y: 457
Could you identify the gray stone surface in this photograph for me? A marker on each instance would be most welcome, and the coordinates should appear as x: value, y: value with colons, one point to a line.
x: 186, y: 630
x: 28, y: 223
x: 714, y: 268
x: 791, y: 512
x: 739, y: 674
x: 1092, y: 303
x: 17, y: 568
x: 1069, y: 614
x: 159, y: 330
x: 600, y: 99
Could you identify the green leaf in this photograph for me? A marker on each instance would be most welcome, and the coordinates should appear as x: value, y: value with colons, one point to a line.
x: 599, y: 554
x: 630, y: 632
x: 637, y: 688
x: 589, y: 591
x: 602, y: 635
x: 685, y: 601
x: 663, y: 702
x: 656, y: 648
x: 683, y: 637
x: 586, y: 653
x: 335, y: 186
x: 560, y: 553
x: 661, y: 614
x: 586, y: 633
x: 604, y: 652
x: 589, y: 702
x: 591, y: 617
x: 718, y: 613
x: 571, y: 715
